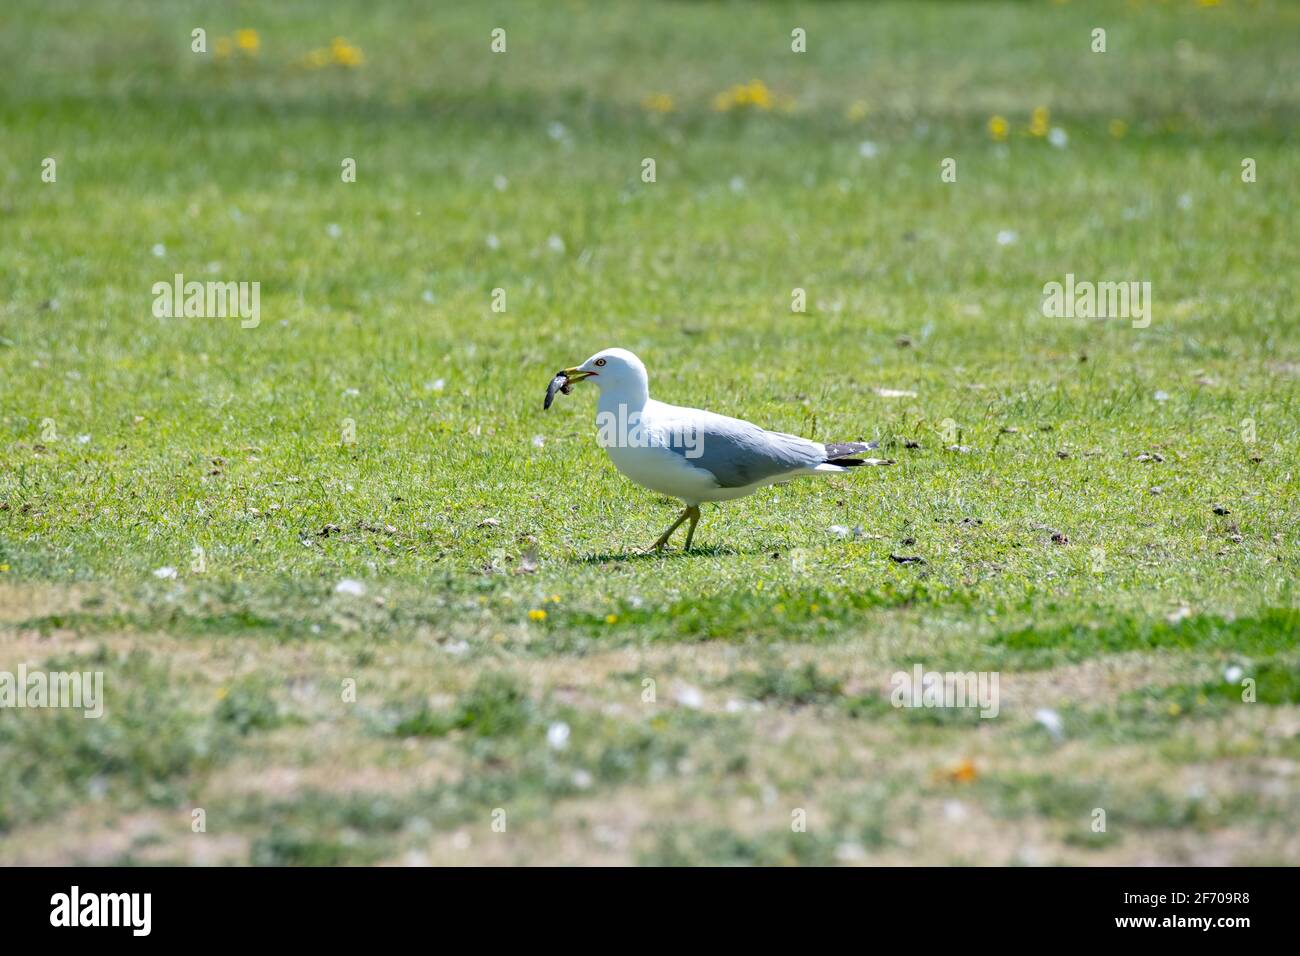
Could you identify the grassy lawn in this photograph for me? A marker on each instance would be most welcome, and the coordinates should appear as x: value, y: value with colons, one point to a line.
x: 1107, y: 515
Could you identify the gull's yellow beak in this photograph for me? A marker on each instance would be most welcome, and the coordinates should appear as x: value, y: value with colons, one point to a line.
x: 576, y: 374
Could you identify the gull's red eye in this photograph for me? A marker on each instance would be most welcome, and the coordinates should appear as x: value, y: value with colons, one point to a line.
x: 600, y: 362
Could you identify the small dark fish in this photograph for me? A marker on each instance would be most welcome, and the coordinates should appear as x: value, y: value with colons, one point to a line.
x: 560, y: 383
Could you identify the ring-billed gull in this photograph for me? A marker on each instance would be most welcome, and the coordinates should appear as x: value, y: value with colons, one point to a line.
x: 689, y: 453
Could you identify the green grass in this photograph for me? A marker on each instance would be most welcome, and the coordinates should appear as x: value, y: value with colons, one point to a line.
x: 710, y: 693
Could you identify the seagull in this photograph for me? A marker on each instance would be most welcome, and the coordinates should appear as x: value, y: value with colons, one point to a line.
x: 690, y: 454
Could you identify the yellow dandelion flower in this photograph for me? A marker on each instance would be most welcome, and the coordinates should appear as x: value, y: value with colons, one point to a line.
x: 1118, y: 128
x: 759, y: 95
x: 611, y: 618
x: 752, y: 94
x: 857, y: 111
x: 248, y: 41
x: 998, y: 128
x: 3, y: 568
x: 345, y: 54
x: 1038, y: 122
x: 554, y: 599
x: 537, y: 614
x: 659, y: 103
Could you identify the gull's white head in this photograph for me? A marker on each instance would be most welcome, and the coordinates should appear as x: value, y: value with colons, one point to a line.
x: 616, y: 370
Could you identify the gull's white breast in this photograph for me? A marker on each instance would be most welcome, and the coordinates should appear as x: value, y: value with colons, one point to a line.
x: 644, y: 454
x: 663, y: 470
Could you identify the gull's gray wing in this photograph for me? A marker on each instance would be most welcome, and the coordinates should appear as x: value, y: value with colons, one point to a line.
x: 738, y: 453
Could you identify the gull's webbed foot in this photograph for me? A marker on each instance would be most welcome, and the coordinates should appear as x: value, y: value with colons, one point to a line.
x: 663, y: 538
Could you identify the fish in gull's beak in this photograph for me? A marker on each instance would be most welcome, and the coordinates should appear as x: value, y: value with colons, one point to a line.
x: 563, y: 383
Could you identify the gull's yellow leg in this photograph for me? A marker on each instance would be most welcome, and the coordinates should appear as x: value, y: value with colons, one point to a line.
x: 663, y: 538
x: 694, y: 513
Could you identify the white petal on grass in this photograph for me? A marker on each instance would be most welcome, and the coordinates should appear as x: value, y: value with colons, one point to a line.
x: 159, y: 250
x: 1161, y: 396
x: 849, y: 852
x: 868, y: 150
x: 500, y: 182
x: 334, y: 230
x: 555, y: 243
x: 557, y: 735
x: 1007, y: 236
x: 1233, y: 674
x: 167, y: 573
x: 350, y: 587
x: 493, y: 242
x: 688, y: 696
x: 1058, y: 137
x: 895, y: 392
x: 1051, y: 720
